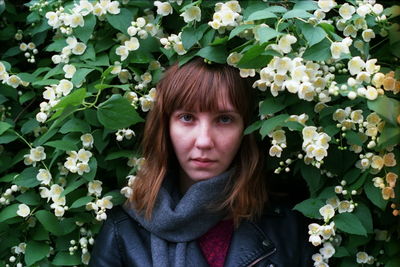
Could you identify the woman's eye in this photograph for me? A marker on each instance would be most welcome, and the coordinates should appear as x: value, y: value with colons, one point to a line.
x: 186, y: 117
x: 225, y: 119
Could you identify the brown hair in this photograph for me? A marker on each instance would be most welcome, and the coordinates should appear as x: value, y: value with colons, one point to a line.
x: 197, y: 86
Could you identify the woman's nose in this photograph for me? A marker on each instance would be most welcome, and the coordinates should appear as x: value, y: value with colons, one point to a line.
x: 203, y: 135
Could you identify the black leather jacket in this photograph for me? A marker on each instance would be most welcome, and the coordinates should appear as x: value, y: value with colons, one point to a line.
x: 278, y: 239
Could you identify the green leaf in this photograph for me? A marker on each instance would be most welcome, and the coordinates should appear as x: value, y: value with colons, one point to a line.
x: 119, y: 154
x: 8, y: 212
x: 27, y: 178
x: 72, y: 185
x: 306, y: 5
x: 7, y: 137
x: 271, y: 105
x: 190, y: 36
x: 349, y: 223
x: 93, y: 169
x: 62, y: 145
x: 296, y: 13
x: 56, y: 46
x: 49, y: 222
x: 390, y: 136
x: 63, y: 258
x: 312, y: 176
x: 352, y: 175
x: 266, y: 33
x: 4, y: 126
x: 386, y: 107
x: 117, y: 113
x: 375, y: 195
x: 29, y: 197
x: 359, y: 182
x: 261, y: 14
x: 81, y: 202
x: 84, y: 33
x: 270, y: 124
x: 239, y: 29
x: 35, y: 251
x: 80, y: 75
x: 354, y: 138
x: 123, y: 20
x: 26, y: 97
x: 318, y: 52
x: 215, y: 54
x: 75, y: 125
x: 393, y: 262
x: 251, y: 57
x: 310, y: 208
x: 253, y: 127
x: 313, y: 34
x: 365, y: 216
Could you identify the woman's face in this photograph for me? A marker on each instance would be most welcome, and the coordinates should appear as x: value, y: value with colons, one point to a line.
x: 205, y: 143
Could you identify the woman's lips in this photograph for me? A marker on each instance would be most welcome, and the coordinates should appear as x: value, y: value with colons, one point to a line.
x: 203, y: 162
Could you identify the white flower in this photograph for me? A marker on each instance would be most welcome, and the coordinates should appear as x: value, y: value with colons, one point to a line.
x: 87, y: 140
x: 126, y: 191
x: 327, y: 212
x: 163, y: 8
x: 326, y: 5
x: 362, y: 257
x: 346, y: 11
x: 41, y: 117
x: 363, y: 10
x: 116, y: 68
x: 345, y: 206
x: 327, y: 231
x: 82, y: 168
x: 275, y: 151
x: 59, y: 210
x: 338, y: 48
x: 309, y: 133
x: 44, y: 176
x: 64, y: 87
x: 367, y: 35
x: 132, y: 30
x: 53, y: 20
x: 315, y: 240
x: 56, y: 59
x: 327, y: 250
x: 371, y: 68
x: 244, y: 73
x: 132, y: 44
x: 69, y: 71
x: 71, y: 41
x: 371, y: 93
x: 94, y: 187
x: 71, y: 165
x: 317, y: 258
x: 79, y: 49
x: 285, y: 43
x: 99, y: 10
x: 377, y: 9
x: 45, y: 193
x: 23, y: 210
x: 179, y: 49
x: 84, y: 155
x: 122, y: 51
x: 55, y: 192
x: 192, y: 13
x: 124, y: 76
x: 233, y: 58
x: 355, y: 65
x: 84, y: 7
x: 105, y: 202
x: 75, y: 20
x: 113, y: 8
x: 37, y: 154
x: 14, y: 81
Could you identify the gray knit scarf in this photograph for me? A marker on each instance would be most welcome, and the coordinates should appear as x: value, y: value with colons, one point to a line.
x: 178, y: 221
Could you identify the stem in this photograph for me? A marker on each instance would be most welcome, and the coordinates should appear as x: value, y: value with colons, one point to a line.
x: 23, y: 139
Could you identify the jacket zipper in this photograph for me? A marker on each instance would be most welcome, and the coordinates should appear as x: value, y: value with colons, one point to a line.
x: 261, y: 258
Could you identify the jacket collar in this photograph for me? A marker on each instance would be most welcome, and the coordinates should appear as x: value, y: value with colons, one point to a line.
x: 249, y: 245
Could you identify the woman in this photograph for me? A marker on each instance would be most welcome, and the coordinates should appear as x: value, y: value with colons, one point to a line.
x: 200, y: 199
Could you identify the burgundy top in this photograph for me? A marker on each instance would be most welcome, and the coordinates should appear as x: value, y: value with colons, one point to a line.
x: 215, y: 243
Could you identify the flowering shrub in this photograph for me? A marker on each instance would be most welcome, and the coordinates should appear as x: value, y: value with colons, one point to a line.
x: 77, y: 78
